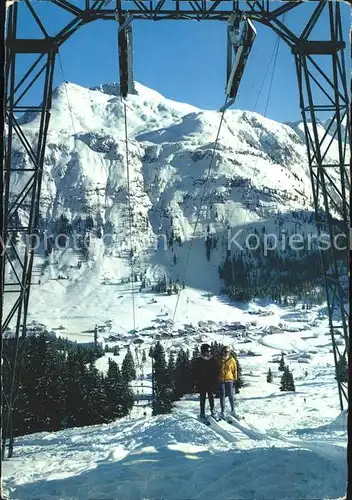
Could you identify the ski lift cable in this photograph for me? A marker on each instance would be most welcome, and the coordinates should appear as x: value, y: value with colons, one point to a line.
x: 68, y: 100
x: 12, y: 396
x: 275, y: 54
x: 201, y: 203
x: 130, y: 212
x: 273, y: 58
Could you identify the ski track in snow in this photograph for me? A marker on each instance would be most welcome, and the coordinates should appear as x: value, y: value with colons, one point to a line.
x: 290, y: 445
x: 283, y: 448
x: 170, y: 457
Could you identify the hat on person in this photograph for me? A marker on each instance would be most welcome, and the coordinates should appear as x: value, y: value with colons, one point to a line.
x: 205, y: 348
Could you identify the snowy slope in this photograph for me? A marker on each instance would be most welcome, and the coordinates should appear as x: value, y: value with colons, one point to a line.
x: 289, y: 445
x: 259, y: 175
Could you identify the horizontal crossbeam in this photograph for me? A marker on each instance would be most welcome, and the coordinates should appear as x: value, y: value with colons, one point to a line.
x: 316, y: 47
x: 32, y: 46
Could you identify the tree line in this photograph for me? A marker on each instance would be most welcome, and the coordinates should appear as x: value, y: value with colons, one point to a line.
x: 59, y: 386
x: 282, y: 276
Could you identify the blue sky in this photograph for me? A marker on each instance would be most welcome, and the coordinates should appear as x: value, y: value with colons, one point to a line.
x: 183, y: 60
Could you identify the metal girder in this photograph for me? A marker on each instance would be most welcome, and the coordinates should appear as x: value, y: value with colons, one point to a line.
x: 28, y: 46
x: 177, y: 9
x: 330, y: 190
x: 18, y: 263
x: 326, y: 91
x: 125, y: 47
x: 2, y: 198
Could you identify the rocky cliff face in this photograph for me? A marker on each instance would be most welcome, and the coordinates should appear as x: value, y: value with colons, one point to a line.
x: 258, y: 174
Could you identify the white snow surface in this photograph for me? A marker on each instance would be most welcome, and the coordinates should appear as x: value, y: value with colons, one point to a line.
x: 288, y: 446
x: 259, y: 174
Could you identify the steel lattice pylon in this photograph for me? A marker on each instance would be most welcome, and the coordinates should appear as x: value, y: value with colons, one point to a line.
x: 322, y: 88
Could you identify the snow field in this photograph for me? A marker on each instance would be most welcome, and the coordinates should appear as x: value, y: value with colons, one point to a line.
x: 290, y: 445
x: 284, y: 448
x: 172, y: 457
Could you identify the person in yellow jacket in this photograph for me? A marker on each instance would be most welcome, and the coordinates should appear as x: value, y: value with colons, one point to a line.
x: 228, y: 376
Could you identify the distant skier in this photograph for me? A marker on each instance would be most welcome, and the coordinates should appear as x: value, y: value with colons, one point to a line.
x: 206, y: 376
x: 228, y: 376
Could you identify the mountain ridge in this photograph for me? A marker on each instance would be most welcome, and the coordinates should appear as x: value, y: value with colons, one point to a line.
x: 259, y: 176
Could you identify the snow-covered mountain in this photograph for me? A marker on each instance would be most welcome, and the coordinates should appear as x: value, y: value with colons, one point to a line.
x: 259, y: 174
x: 290, y: 444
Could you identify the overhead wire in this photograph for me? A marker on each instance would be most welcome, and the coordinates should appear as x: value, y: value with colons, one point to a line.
x: 128, y: 177
x: 68, y: 100
x: 18, y: 357
x: 201, y: 203
x: 130, y: 213
x: 73, y: 125
x: 273, y: 59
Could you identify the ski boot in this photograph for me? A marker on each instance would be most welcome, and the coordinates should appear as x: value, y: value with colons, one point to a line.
x: 203, y: 419
x: 234, y: 415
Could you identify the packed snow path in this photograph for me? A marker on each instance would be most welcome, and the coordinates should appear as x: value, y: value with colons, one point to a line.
x: 290, y: 445
x: 171, y: 457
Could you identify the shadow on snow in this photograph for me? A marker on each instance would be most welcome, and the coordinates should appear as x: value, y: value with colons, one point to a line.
x: 260, y: 473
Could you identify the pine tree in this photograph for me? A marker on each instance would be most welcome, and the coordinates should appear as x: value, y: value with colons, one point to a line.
x: 38, y: 402
x: 163, y: 394
x: 195, y: 353
x: 239, y: 382
x: 208, y: 243
x: 287, y: 381
x: 97, y: 403
x: 56, y: 390
x: 48, y: 381
x: 282, y: 363
x: 183, y: 379
x: 171, y: 374
x: 128, y: 367
x: 76, y: 374
x: 24, y: 413
x: 269, y: 377
x: 342, y: 369
x: 291, y: 382
x: 118, y: 393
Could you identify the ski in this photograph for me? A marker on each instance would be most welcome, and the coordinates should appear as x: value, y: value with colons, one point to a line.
x: 230, y: 418
x: 217, y: 418
x: 204, y: 420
